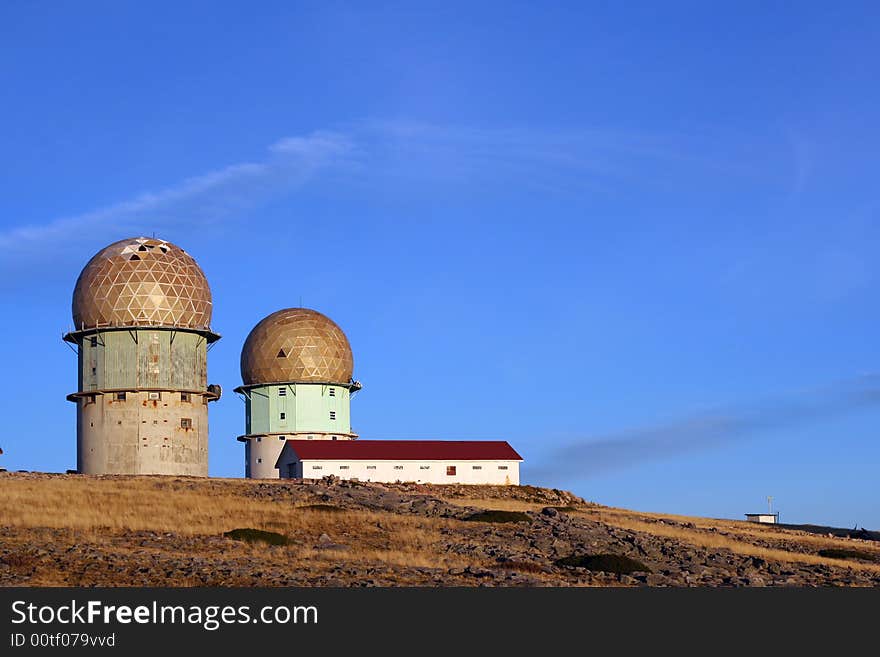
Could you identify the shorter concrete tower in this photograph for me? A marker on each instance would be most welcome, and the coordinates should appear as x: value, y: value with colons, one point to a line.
x: 142, y: 316
x: 296, y: 366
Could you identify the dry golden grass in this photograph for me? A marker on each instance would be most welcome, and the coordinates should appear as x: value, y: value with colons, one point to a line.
x: 137, y: 504
x: 103, y: 513
x: 629, y: 520
x: 744, y: 529
x: 98, y: 509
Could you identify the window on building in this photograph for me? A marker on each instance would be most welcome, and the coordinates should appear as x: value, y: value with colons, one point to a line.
x: 259, y: 439
x: 398, y: 467
x: 424, y: 467
x: 119, y: 396
x: 450, y: 470
x: 332, y: 415
x: 283, y: 416
x: 332, y: 392
x: 280, y: 437
x: 186, y: 423
x: 282, y: 392
x: 502, y: 467
x: 317, y: 467
x: 93, y: 342
x: 184, y: 397
x: 94, y: 370
x: 478, y: 467
x: 259, y: 460
x: 371, y: 467
x: 343, y: 467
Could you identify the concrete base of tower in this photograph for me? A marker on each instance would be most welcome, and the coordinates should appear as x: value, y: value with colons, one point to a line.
x: 261, y: 451
x: 161, y: 432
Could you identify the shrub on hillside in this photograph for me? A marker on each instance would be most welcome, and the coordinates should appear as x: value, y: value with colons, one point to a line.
x: 845, y: 553
x: 609, y: 563
x: 251, y: 535
x: 499, y: 516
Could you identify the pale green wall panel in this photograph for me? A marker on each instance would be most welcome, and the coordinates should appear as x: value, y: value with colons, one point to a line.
x: 259, y: 411
x: 306, y: 407
x: 142, y: 358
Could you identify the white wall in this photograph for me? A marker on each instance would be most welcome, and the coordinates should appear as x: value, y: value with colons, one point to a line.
x: 767, y: 518
x: 423, y: 472
x: 139, y: 435
x: 262, y: 456
x: 262, y: 452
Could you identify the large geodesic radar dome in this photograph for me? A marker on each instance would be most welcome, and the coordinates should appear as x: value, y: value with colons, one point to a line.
x: 142, y: 281
x: 296, y: 344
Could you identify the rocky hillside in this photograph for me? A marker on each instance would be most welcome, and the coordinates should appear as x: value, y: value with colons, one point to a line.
x: 176, y: 531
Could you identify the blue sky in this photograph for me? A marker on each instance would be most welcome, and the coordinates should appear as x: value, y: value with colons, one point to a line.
x: 637, y: 241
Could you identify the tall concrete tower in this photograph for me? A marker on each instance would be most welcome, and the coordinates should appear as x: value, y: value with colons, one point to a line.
x: 142, y: 316
x: 296, y: 365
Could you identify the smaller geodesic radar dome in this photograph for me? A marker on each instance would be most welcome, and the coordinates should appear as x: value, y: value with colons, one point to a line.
x: 142, y: 281
x: 296, y: 344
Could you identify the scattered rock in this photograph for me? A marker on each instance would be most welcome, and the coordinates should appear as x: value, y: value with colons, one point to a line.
x: 332, y: 546
x: 326, y: 543
x: 529, y: 549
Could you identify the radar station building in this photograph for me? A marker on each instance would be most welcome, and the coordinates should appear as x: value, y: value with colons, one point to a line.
x: 142, y: 328
x: 492, y: 462
x: 296, y: 366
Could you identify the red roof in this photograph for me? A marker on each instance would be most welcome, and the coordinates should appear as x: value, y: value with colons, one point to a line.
x: 405, y: 450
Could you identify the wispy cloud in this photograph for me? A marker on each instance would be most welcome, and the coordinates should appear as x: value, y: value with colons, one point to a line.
x: 573, y: 161
x: 602, y: 454
x: 211, y: 196
x: 133, y: 209
x: 377, y: 152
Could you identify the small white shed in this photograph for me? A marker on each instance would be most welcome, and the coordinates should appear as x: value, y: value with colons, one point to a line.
x: 764, y: 518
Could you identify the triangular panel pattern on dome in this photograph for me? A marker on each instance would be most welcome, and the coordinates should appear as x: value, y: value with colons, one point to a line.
x: 163, y: 287
x: 315, y: 349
